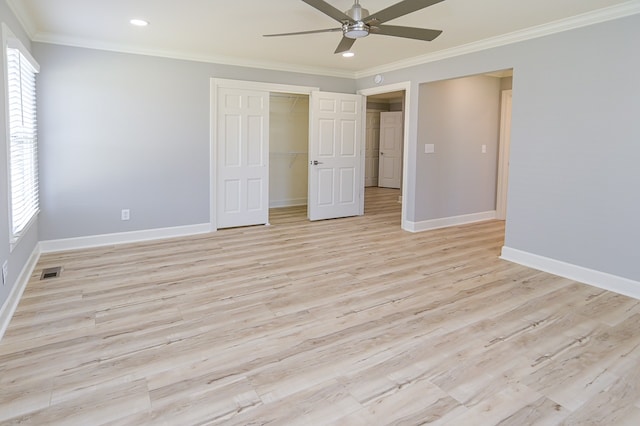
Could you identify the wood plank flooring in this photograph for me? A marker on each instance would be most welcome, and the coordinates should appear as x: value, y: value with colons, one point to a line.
x: 349, y: 322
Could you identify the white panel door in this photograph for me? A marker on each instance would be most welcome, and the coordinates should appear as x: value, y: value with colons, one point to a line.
x: 335, y: 140
x: 243, y: 158
x: 372, y: 148
x: 390, y: 163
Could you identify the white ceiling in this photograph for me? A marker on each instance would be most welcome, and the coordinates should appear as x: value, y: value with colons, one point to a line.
x: 227, y: 31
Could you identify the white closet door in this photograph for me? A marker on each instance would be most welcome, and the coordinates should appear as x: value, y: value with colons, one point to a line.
x: 243, y: 158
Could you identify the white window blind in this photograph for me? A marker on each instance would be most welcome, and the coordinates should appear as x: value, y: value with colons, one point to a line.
x: 23, y: 136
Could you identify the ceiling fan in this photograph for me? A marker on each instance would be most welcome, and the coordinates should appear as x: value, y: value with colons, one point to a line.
x: 357, y: 22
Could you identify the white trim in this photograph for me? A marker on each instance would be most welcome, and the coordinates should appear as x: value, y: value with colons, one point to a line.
x: 213, y: 154
x: 444, y: 222
x: 622, y: 10
x: 592, y: 277
x: 13, y: 42
x: 23, y: 16
x: 290, y: 202
x: 396, y: 87
x: 14, y: 239
x: 9, y: 307
x: 363, y: 152
x: 49, y: 246
x: 63, y: 40
x: 265, y: 87
x: 7, y: 34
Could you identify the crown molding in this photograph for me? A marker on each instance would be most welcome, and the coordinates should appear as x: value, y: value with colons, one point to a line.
x: 24, y: 17
x: 622, y: 10
x: 189, y: 56
x: 628, y: 8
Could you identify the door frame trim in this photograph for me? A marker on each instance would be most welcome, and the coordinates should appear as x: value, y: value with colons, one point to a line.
x: 406, y: 86
x: 215, y: 85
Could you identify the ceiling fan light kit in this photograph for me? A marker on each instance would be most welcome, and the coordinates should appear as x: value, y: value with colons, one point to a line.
x: 357, y: 30
x: 358, y: 23
x: 139, y: 22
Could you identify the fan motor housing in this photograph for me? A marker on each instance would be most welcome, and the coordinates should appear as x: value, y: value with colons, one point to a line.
x: 355, y: 30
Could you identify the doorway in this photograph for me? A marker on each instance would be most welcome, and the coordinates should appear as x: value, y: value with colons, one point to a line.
x: 458, y: 156
x: 288, y: 149
x: 241, y: 154
x: 385, y: 147
x: 240, y: 130
x: 383, y: 140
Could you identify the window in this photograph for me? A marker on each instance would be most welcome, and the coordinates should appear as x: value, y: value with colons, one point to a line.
x: 21, y: 72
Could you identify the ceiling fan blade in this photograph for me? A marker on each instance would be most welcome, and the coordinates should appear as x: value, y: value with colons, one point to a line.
x: 399, y: 9
x: 406, y: 32
x: 330, y: 30
x: 345, y: 44
x: 329, y: 10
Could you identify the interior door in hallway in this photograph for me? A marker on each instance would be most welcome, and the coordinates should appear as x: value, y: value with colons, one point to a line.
x: 335, y: 157
x: 242, y: 158
x: 390, y: 160
x: 372, y: 148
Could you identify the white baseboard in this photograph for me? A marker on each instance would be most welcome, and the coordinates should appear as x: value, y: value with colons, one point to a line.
x: 592, y: 277
x: 274, y: 204
x: 427, y: 225
x: 9, y: 307
x: 122, y: 238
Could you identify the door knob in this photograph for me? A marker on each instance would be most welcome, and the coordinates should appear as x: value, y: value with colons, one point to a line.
x: 315, y: 162
x: 382, y: 153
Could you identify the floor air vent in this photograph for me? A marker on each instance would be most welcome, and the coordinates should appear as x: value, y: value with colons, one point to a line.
x: 51, y: 273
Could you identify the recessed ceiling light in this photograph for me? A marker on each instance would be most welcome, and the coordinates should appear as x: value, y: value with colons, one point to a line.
x: 139, y: 22
x: 348, y: 54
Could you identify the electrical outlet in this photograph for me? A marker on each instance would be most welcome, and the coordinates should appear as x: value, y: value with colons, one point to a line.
x: 5, y: 271
x: 124, y: 214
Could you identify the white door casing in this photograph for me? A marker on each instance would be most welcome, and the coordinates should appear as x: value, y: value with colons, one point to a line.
x: 243, y: 157
x: 391, y: 141
x: 335, y: 157
x: 408, y: 173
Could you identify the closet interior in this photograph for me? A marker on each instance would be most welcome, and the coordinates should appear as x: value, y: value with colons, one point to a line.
x: 288, y: 149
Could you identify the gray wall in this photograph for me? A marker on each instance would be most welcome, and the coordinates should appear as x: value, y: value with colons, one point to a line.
x: 130, y: 131
x: 458, y: 117
x: 575, y: 177
x: 18, y: 257
x: 575, y: 142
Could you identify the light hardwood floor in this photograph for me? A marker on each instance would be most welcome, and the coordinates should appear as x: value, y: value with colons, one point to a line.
x: 350, y: 321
